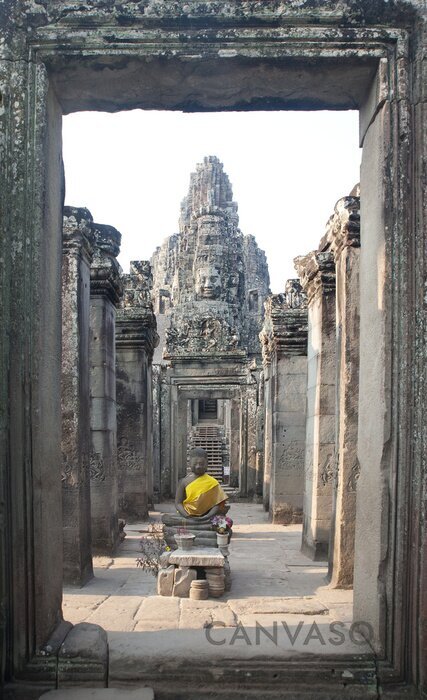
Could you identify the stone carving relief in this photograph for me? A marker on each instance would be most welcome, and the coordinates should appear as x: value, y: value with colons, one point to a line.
x: 328, y: 470
x: 97, y: 467
x: 201, y: 335
x: 211, y: 272
x: 208, y: 282
x: 354, y: 476
x: 128, y: 459
x: 69, y: 476
x: 295, y: 297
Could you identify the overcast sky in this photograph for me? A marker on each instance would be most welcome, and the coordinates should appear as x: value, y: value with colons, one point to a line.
x: 287, y: 169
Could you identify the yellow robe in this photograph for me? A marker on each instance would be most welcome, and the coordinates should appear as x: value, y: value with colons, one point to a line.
x: 202, y: 494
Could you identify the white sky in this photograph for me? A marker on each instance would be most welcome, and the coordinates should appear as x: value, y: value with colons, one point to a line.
x: 287, y: 169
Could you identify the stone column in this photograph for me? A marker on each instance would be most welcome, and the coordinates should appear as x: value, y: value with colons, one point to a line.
x: 286, y: 328
x: 157, y: 377
x: 260, y: 440
x: 251, y: 437
x: 105, y: 293
x: 75, y: 401
x: 344, y: 235
x: 317, y: 274
x: 268, y: 416
x: 136, y: 339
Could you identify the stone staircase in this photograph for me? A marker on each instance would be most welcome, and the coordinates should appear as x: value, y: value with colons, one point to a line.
x: 212, y: 439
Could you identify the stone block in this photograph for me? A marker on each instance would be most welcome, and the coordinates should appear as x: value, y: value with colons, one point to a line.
x: 182, y: 581
x: 83, y: 657
x: 165, y: 581
x: 210, y: 557
x: 99, y: 694
x: 164, y: 559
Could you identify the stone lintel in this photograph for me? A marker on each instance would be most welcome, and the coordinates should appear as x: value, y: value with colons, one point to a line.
x: 343, y: 227
x: 317, y: 273
x: 108, y: 239
x: 105, y: 281
x: 285, y: 328
x: 105, y: 271
x: 239, y: 356
x: 135, y: 320
x: 77, y: 235
x: 135, y: 330
x: 290, y: 332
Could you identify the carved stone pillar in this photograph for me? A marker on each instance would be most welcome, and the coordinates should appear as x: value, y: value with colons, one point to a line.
x: 136, y: 339
x: 317, y: 274
x: 285, y: 328
x: 268, y: 417
x: 260, y: 440
x: 251, y: 435
x: 344, y: 237
x: 75, y: 402
x: 105, y: 293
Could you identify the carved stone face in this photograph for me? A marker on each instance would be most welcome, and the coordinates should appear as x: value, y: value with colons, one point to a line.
x: 208, y: 282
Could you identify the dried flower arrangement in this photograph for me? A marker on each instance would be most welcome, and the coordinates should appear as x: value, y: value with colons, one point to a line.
x: 152, y: 548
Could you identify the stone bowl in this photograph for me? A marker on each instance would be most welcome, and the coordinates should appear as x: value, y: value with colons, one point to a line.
x: 186, y: 541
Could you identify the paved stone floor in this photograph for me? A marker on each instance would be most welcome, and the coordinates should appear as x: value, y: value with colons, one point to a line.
x: 279, y: 604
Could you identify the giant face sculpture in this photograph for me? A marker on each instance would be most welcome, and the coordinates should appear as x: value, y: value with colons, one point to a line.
x: 208, y: 282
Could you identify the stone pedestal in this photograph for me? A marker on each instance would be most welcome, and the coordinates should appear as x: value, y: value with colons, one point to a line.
x: 176, y: 578
x: 105, y: 293
x: 317, y: 273
x: 75, y: 402
x: 344, y: 235
x: 285, y: 352
x: 136, y: 338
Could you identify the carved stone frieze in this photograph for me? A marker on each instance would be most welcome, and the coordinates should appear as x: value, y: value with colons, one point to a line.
x: 201, y: 334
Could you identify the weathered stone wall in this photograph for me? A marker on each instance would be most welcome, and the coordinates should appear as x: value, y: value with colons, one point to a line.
x: 284, y: 339
x: 317, y: 273
x: 105, y: 293
x: 377, y: 383
x: 343, y: 238
x: 78, y: 242
x: 136, y: 338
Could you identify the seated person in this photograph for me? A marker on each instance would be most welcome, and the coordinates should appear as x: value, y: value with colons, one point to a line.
x: 199, y: 496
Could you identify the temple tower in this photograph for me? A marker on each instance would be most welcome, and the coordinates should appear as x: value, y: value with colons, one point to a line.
x: 209, y: 285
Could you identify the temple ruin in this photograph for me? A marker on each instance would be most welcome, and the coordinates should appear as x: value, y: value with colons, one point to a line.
x: 311, y: 403
x: 209, y: 286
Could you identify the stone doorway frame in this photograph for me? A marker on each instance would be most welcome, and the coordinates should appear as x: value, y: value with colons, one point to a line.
x: 185, y: 391
x: 62, y: 63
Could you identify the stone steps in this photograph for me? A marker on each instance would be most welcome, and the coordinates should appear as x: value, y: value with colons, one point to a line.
x: 99, y: 694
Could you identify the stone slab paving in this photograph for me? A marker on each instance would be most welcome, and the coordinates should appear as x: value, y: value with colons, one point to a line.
x: 279, y: 604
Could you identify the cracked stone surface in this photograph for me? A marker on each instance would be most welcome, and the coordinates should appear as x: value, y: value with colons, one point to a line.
x: 276, y: 590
